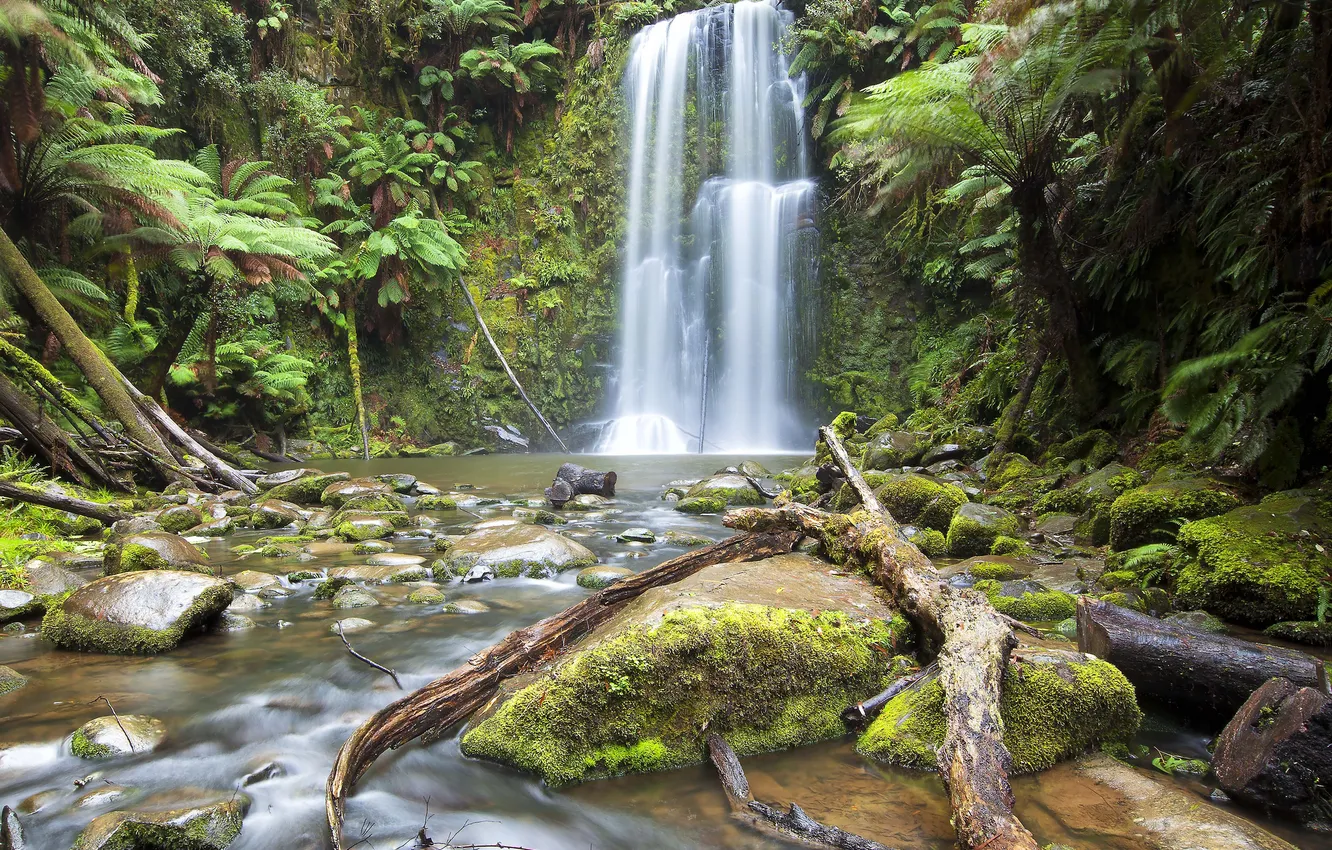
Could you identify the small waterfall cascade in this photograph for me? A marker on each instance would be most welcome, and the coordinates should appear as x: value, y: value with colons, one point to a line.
x: 720, y: 242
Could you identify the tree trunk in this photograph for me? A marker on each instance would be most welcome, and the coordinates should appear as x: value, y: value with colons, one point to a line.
x: 1206, y: 677
x: 1017, y: 408
x: 453, y: 697
x: 584, y: 480
x: 972, y: 641
x: 559, y: 493
x: 100, y: 374
x: 63, y: 455
x: 23, y: 493
x: 354, y: 361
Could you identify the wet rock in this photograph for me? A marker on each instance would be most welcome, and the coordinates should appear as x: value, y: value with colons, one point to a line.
x: 359, y: 527
x: 307, y: 489
x: 179, y: 518
x: 230, y: 622
x: 1056, y: 525
x: 220, y: 527
x: 401, y: 482
x: 1144, y: 515
x: 351, y: 624
x: 135, y: 525
x: 395, y: 559
x: 352, y: 596
x: 11, y: 679
x: 426, y: 596
x: 102, y: 796
x: 731, y: 489
x: 595, y: 578
x: 51, y: 579
x: 36, y: 802
x: 263, y: 773
x: 894, y: 449
x: 698, y: 505
x: 424, y: 489
x: 141, y: 612
x: 339, y: 493
x: 753, y: 469
x: 329, y: 588
x: 252, y: 581
x: 275, y: 513
x: 371, y: 547
x: 15, y: 604
x: 518, y: 550
x: 211, y: 826
x: 436, y: 502
x: 1200, y: 620
x: 11, y: 831
x: 1055, y: 705
x: 685, y: 538
x: 636, y: 535
x: 286, y: 476
x: 381, y: 574
x: 1309, y: 632
x: 975, y: 527
x: 154, y: 550
x: 942, y: 453
x: 245, y: 603
x: 112, y: 736
x: 479, y: 573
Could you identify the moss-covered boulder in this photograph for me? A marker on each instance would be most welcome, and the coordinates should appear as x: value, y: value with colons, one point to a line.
x: 16, y: 604
x: 1145, y: 515
x: 1090, y: 498
x: 210, y: 826
x: 1055, y: 705
x: 436, y: 503
x: 975, y: 527
x: 275, y: 513
x: 143, y: 612
x: 178, y: 518
x: 518, y: 550
x: 1029, y: 601
x: 895, y: 449
x: 339, y: 493
x: 700, y: 505
x: 111, y: 736
x: 307, y: 489
x: 598, y: 577
x: 11, y: 679
x: 1260, y: 564
x: 928, y: 540
x: 1309, y: 632
x: 428, y: 595
x: 730, y: 489
x: 763, y: 678
x: 357, y: 527
x: 920, y: 500
x: 154, y: 550
x: 1094, y: 448
x: 1020, y: 484
x: 802, y: 482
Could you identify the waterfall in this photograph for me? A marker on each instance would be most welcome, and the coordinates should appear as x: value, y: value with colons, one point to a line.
x: 720, y: 238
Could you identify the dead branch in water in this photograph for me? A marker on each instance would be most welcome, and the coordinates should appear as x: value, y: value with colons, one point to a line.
x: 454, y: 696
x: 971, y: 639
x: 793, y: 823
x: 355, y: 654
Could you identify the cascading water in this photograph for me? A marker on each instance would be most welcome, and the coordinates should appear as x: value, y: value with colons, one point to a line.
x: 720, y: 238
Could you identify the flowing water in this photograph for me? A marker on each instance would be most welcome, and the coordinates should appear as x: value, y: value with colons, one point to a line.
x: 288, y: 693
x: 721, y: 242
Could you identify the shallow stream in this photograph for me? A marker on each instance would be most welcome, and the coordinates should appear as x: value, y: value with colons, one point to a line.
x: 288, y: 693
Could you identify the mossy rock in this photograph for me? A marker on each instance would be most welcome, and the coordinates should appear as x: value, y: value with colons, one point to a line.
x: 136, y: 613
x: 1258, y: 565
x: 436, y: 503
x: 518, y: 550
x: 1309, y: 632
x: 697, y: 505
x: 1173, y: 453
x: 1029, y: 601
x: 895, y: 449
x: 1005, y: 545
x: 920, y: 500
x: 975, y: 527
x: 111, y: 736
x: 1200, y: 620
x: 306, y: 490
x: 1144, y: 515
x: 1096, y: 448
x: 763, y: 678
x: 886, y: 423
x: 1055, y: 705
x: 373, y: 503
x: 1099, y: 488
x: 928, y: 540
x: 178, y: 518
x: 19, y: 604
x: 339, y: 493
x: 1115, y: 579
x: 154, y: 550
x: 212, y: 826
x: 730, y: 489
x: 426, y: 596
x: 598, y: 577
x: 989, y: 570
x: 359, y: 527
x: 11, y: 680
x: 802, y: 483
x: 328, y: 589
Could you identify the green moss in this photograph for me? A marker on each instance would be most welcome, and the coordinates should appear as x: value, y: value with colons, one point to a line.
x: 1004, y: 545
x: 887, y: 423
x: 1053, y: 707
x: 80, y: 746
x: 132, y: 557
x: 436, y: 503
x: 352, y: 531
x: 329, y: 588
x: 1308, y: 632
x: 73, y: 631
x: 974, y: 528
x: 305, y: 491
x: 1097, y: 448
x: 763, y: 678
x: 11, y: 680
x: 426, y: 596
x: 1257, y: 565
x: 304, y: 575
x: 1174, y: 453
x: 931, y: 542
x: 997, y: 572
x: 1115, y: 579
x: 1041, y: 606
x: 701, y: 505
x: 1145, y: 515
x: 212, y: 827
x: 921, y: 501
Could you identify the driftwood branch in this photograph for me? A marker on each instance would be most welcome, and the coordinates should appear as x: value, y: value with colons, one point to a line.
x: 862, y: 713
x: 355, y: 654
x: 971, y: 639
x: 793, y: 823
x: 116, y: 717
x: 97, y: 510
x: 454, y: 696
x: 467, y: 293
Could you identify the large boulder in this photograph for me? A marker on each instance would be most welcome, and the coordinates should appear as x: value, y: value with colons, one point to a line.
x: 359, y: 527
x: 274, y: 513
x: 1260, y: 564
x: 1145, y: 515
x: 154, y: 550
x: 209, y: 826
x: 975, y: 527
x: 707, y: 654
x: 894, y: 449
x: 178, y: 518
x: 921, y: 501
x: 728, y: 487
x: 122, y: 735
x: 286, y: 476
x: 1090, y: 497
x: 307, y: 489
x: 518, y: 550
x: 339, y: 493
x: 141, y: 613
x: 1055, y: 705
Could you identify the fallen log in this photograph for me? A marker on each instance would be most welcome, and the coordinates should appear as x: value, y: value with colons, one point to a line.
x: 47, y: 499
x: 587, y: 481
x: 793, y: 823
x: 971, y: 640
x: 1205, y: 676
x: 559, y: 493
x: 862, y: 713
x: 454, y: 696
x: 63, y: 454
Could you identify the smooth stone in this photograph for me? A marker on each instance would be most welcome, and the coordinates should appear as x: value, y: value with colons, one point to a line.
x: 371, y: 547
x: 244, y: 603
x: 253, y: 581
x: 519, y: 549
x: 48, y: 579
x: 164, y: 551
x: 230, y: 622
x: 595, y: 578
x: 329, y: 548
x: 110, y: 736
x: 379, y: 575
x: 16, y: 603
x: 479, y: 573
x: 401, y: 482
x: 139, y: 612
x: 360, y: 527
x: 34, y: 803
x: 466, y: 606
x: 637, y: 535
x: 394, y: 559
x: 220, y: 527
x: 135, y: 525
x: 1053, y: 525
x: 103, y: 796
x: 352, y: 596
x: 340, y: 492
x: 263, y: 773
x: 178, y: 518
x: 351, y: 624
x: 286, y: 476
x: 211, y: 826
x: 275, y: 513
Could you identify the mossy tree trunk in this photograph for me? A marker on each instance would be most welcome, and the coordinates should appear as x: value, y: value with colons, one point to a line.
x: 63, y: 454
x: 354, y: 362
x: 104, y: 378
x: 1017, y: 408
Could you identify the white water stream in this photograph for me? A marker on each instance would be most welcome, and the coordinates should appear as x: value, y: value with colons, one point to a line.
x: 720, y: 237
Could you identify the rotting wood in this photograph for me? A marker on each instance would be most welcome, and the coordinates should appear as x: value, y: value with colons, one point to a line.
x: 62, y: 453
x: 862, y: 713
x: 97, y: 510
x: 454, y: 696
x: 969, y: 640
x: 792, y: 823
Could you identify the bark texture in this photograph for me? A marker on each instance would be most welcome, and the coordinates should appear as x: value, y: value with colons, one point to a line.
x: 587, y: 481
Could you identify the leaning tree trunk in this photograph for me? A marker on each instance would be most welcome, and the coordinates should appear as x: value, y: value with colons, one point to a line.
x: 354, y: 361
x: 64, y: 455
x: 972, y: 641
x: 100, y: 374
x: 453, y: 697
x: 1017, y: 408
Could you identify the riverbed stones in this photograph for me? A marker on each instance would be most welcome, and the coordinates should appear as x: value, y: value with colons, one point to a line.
x: 1144, y: 515
x: 395, y: 559
x: 429, y: 595
x: 466, y: 606
x: 11, y: 679
x: 351, y: 624
x: 306, y: 490
x: 179, y: 518
x: 229, y: 622
x: 359, y: 527
x: 143, y: 612
x: 339, y: 493
x: 401, y: 482
x: 371, y: 547
x: 518, y: 550
x: 352, y: 596
x: 701, y: 505
x: 46, y: 578
x: 154, y: 550
x: 111, y: 736
x: 730, y: 488
x: 275, y: 513
x: 595, y: 578
x: 253, y: 581
x: 637, y: 535
x: 286, y: 476
x: 209, y: 826
x: 17, y: 604
x: 975, y: 527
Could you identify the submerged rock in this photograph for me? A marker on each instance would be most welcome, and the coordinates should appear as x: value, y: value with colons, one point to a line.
x: 1055, y: 705
x: 253, y: 581
x: 11, y: 679
x: 429, y: 595
x: 518, y: 550
x: 154, y: 550
x: 351, y: 624
x: 142, y: 612
x: 466, y: 606
x: 595, y: 578
x: 111, y: 736
x: 211, y: 826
